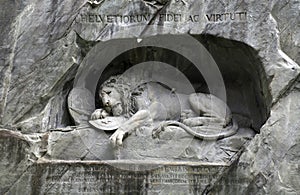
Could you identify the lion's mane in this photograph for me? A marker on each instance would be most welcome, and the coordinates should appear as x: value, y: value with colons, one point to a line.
x: 122, y: 85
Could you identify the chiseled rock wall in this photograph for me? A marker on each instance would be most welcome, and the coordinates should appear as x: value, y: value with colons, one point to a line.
x: 39, y: 59
x: 270, y: 164
x: 288, y: 20
x: 43, y: 42
x: 274, y: 154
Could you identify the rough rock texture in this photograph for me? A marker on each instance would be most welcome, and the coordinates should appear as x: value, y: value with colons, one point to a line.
x: 286, y: 14
x: 82, y: 143
x: 42, y: 44
x: 30, y: 96
x: 259, y: 19
x: 270, y: 164
x: 18, y: 153
x: 134, y: 177
x: 41, y: 61
x: 176, y: 144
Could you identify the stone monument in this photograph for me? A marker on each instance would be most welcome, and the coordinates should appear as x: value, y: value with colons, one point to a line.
x: 149, y: 97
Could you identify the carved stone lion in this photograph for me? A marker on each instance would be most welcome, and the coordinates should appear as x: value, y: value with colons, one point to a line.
x: 153, y: 101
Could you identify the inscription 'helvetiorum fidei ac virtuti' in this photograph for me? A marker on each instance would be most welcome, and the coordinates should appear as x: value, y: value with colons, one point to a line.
x: 239, y: 16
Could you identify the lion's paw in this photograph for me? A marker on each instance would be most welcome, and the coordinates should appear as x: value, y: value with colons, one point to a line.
x: 157, y: 130
x: 193, y: 122
x: 99, y: 114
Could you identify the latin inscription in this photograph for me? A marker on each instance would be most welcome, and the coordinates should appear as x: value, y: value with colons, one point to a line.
x: 168, y: 18
x: 106, y: 179
x: 128, y: 19
x: 222, y: 17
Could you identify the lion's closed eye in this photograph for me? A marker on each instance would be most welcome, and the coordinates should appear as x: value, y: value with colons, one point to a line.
x: 106, y: 92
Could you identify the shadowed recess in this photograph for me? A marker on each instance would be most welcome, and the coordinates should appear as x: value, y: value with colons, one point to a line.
x: 246, y: 85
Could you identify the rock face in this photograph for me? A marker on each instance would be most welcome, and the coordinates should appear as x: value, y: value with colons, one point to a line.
x: 48, y: 48
x: 288, y: 26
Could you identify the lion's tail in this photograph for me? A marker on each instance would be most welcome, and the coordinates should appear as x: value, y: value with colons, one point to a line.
x: 224, y: 132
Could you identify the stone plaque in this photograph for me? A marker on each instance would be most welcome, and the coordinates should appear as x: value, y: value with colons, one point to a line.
x: 132, y: 177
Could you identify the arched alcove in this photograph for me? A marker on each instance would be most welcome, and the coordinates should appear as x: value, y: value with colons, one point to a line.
x: 242, y: 71
x: 243, y: 79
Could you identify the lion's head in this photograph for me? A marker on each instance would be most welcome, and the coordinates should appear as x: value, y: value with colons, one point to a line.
x: 115, y: 96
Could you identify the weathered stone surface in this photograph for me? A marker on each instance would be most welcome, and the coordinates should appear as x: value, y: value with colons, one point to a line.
x: 9, y: 14
x: 42, y: 60
x: 18, y: 152
x: 48, y: 43
x: 42, y: 43
x: 286, y: 14
x: 82, y: 143
x: 270, y: 164
x: 81, y: 105
x: 176, y: 144
x: 61, y: 177
x: 249, y: 30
